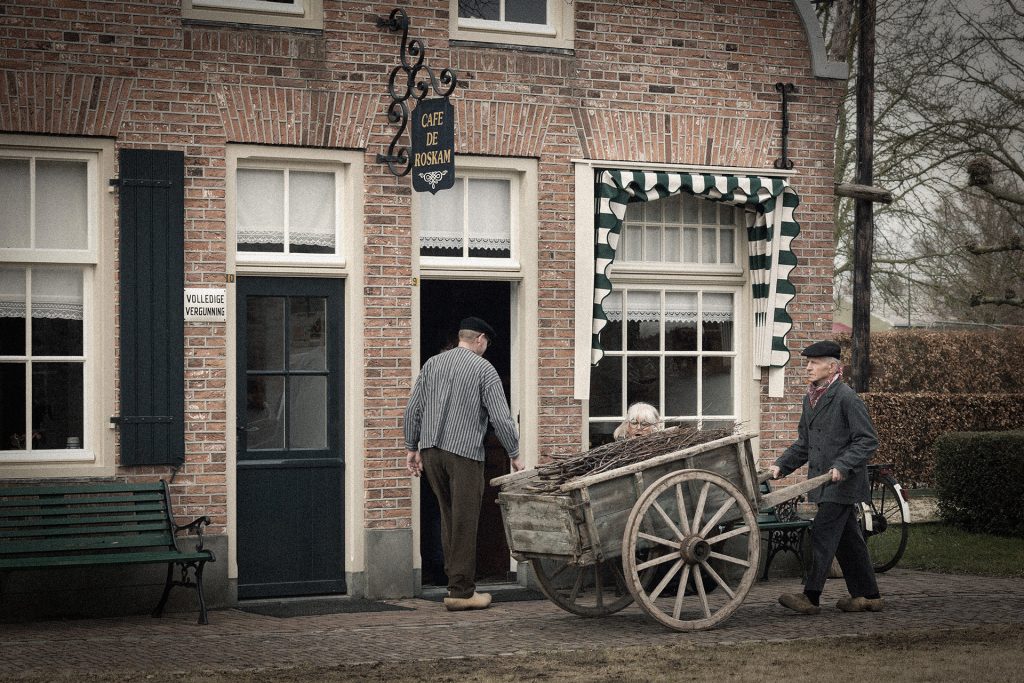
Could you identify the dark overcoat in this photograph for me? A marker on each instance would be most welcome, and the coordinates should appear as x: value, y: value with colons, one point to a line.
x: 837, y: 432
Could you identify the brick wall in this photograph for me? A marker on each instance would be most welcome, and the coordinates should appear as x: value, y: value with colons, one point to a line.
x: 664, y: 82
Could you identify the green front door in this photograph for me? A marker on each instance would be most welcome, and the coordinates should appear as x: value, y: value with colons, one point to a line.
x: 290, y: 471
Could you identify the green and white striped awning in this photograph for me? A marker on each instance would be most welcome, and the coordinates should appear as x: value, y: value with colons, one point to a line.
x: 769, y: 204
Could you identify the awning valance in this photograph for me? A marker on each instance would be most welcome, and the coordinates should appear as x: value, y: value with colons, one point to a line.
x: 768, y: 205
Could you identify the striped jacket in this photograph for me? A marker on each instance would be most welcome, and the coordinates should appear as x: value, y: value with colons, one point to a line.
x: 456, y: 394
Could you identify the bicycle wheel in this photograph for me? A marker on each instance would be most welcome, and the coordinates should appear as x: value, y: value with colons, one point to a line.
x: 886, y: 534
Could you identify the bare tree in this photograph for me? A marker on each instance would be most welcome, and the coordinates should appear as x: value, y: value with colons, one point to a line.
x: 949, y: 139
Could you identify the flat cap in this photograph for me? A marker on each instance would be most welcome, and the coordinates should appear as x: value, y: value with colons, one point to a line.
x: 478, y: 325
x: 826, y: 348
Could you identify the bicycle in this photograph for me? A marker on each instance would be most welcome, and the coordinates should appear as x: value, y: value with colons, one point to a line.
x: 886, y: 519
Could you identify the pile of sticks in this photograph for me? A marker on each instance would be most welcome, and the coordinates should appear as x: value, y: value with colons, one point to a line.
x: 560, y: 470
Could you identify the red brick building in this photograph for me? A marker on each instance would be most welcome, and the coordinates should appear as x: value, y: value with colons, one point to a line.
x: 320, y: 281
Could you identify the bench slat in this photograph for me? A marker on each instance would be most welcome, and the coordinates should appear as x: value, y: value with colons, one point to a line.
x: 82, y: 530
x: 128, y: 520
x: 45, y: 545
x: 57, y: 501
x: 110, y: 558
x: 82, y: 510
x: 73, y: 489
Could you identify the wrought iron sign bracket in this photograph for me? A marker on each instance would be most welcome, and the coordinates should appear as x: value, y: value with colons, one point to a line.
x: 406, y: 82
x: 785, y: 89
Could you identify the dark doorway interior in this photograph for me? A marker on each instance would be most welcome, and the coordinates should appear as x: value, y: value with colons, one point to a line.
x: 443, y: 304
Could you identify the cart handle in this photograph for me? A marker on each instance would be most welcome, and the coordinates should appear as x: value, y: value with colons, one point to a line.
x: 777, y: 496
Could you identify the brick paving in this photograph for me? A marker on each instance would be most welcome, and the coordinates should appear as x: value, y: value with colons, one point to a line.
x: 237, y: 640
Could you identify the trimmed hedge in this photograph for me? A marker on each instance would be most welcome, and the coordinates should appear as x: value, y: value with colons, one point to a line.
x: 917, y: 361
x: 980, y: 481
x: 909, y: 424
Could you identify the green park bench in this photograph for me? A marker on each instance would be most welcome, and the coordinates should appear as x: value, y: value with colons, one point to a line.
x: 787, y: 531
x: 83, y: 524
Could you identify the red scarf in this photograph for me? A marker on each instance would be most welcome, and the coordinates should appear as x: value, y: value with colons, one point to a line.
x: 814, y: 393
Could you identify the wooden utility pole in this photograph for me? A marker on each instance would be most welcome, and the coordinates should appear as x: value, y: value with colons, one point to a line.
x: 863, y: 213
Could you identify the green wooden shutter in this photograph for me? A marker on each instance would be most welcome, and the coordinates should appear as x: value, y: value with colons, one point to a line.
x: 152, y: 216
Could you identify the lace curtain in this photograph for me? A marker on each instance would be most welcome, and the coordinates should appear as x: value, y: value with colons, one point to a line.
x: 261, y: 208
x: 56, y: 293
x: 490, y: 227
x: 680, y: 307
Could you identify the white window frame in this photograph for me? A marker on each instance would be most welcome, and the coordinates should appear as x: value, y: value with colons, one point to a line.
x: 342, y: 164
x: 557, y: 33
x: 680, y: 284
x: 308, y: 14
x: 584, y: 171
x: 96, y: 457
x: 468, y: 168
x: 736, y: 268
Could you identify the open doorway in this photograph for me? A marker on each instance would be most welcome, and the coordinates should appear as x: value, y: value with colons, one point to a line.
x: 443, y: 304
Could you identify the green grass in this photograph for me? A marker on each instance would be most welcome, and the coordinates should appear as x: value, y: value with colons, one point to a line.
x: 943, y: 548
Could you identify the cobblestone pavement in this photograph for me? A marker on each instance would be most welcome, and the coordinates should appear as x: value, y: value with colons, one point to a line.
x: 237, y: 640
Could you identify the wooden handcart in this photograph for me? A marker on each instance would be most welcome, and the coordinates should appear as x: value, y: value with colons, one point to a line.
x: 676, y: 533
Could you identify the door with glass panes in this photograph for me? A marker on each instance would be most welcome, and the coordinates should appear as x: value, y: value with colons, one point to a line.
x: 290, y: 466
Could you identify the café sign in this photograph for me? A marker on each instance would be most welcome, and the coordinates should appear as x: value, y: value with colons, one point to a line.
x: 433, y: 145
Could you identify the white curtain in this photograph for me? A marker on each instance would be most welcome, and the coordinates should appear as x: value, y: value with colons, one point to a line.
x: 311, y: 208
x: 311, y: 218
x: 260, y: 206
x: 56, y: 293
x: 489, y: 210
x: 61, y: 204
x: 680, y: 307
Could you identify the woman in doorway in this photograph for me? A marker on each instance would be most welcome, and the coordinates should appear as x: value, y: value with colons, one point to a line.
x: 641, y: 420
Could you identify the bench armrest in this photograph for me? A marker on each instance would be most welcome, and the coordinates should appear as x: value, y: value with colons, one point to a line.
x: 195, y: 525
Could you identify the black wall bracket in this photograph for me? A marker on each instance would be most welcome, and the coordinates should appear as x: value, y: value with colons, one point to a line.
x: 405, y: 86
x: 785, y: 89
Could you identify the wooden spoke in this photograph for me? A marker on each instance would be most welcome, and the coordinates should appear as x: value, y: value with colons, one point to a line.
x: 717, y: 516
x: 577, y: 586
x: 727, y: 535
x: 718, y: 579
x: 656, y: 561
x: 698, y: 580
x: 684, y: 521
x: 598, y: 587
x: 668, y: 520
x: 665, y: 581
x: 728, y: 558
x: 660, y: 541
x: 677, y: 608
x: 699, y: 511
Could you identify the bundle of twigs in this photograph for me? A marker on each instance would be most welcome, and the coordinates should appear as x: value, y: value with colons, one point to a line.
x: 550, y: 476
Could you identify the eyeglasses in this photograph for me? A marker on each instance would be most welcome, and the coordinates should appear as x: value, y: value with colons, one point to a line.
x: 642, y: 423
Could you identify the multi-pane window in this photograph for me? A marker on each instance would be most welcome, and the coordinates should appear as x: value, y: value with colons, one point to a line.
x: 286, y: 384
x: 528, y: 23
x: 471, y: 220
x: 516, y: 11
x: 671, y: 339
x: 47, y: 262
x: 291, y: 211
x: 291, y: 13
x: 681, y: 229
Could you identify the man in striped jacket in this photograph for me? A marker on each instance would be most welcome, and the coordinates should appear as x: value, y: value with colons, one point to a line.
x: 456, y: 394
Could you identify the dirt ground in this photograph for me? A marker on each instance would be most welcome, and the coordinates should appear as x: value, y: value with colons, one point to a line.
x: 983, y: 653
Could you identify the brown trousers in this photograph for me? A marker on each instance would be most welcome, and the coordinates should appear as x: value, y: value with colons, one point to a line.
x: 458, y: 484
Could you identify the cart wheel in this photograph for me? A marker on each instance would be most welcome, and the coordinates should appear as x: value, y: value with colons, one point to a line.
x: 699, y: 526
x: 593, y: 590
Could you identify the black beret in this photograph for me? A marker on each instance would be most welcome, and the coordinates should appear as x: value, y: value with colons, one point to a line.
x: 478, y: 325
x: 827, y: 348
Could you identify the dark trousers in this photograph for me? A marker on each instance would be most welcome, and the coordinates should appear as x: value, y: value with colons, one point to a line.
x: 458, y: 484
x: 836, y: 533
